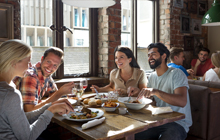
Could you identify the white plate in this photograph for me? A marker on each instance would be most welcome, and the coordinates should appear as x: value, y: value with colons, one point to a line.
x: 100, y: 114
x: 72, y: 101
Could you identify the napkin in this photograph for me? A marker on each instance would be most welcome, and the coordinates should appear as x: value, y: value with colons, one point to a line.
x: 161, y: 110
x: 92, y: 123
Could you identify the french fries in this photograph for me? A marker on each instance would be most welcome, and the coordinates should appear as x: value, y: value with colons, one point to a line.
x: 110, y: 104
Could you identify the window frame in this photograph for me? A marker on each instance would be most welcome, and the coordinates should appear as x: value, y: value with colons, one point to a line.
x: 155, y: 31
x: 93, y: 40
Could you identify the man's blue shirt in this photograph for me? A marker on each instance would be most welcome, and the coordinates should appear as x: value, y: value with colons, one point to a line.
x: 179, y: 67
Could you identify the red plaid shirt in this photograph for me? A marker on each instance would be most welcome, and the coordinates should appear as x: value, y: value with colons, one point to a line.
x: 33, y: 86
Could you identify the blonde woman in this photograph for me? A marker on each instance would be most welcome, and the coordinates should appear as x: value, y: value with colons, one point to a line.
x: 15, y: 59
x: 127, y: 73
x: 213, y: 74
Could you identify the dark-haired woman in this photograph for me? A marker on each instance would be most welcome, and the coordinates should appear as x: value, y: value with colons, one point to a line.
x: 127, y: 73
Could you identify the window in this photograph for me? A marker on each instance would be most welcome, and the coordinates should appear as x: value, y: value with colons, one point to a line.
x: 36, y: 19
x: 144, y: 30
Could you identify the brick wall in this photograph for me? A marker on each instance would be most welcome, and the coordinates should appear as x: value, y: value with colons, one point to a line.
x: 170, y: 33
x: 109, y: 27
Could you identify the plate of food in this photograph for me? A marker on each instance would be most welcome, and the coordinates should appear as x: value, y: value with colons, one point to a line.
x: 89, y: 114
x: 134, y: 104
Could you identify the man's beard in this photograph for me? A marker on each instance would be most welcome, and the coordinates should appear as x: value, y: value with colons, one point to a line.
x: 156, y: 64
x: 201, y: 61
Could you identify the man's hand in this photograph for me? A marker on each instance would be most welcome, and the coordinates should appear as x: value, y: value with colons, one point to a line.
x: 133, y: 91
x: 146, y: 92
x: 66, y: 89
x: 190, y: 71
x: 198, y: 62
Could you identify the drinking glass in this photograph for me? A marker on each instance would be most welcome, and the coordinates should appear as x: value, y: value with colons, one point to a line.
x: 78, y: 89
x: 84, y: 83
x: 113, y: 96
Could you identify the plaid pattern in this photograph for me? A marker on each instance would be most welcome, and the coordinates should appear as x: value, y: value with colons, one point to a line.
x: 33, y: 86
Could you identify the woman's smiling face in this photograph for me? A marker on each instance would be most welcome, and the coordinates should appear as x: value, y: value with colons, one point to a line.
x: 121, y: 60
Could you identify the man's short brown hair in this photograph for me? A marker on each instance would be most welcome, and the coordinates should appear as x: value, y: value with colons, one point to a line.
x: 174, y: 51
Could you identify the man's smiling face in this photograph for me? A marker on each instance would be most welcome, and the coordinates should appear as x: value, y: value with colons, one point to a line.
x: 50, y: 64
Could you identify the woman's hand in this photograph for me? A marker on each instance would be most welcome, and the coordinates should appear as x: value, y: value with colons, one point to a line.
x: 61, y: 107
x: 121, y: 92
x: 133, y: 91
x: 94, y: 86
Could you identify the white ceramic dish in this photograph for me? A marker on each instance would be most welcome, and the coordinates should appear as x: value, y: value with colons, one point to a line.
x: 100, y: 114
x: 110, y: 109
x: 72, y: 101
x: 134, y: 106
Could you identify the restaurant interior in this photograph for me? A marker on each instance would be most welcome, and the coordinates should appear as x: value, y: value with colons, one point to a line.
x: 88, y: 33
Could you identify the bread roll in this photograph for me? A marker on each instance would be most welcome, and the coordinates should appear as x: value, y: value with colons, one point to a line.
x: 98, y: 101
x: 86, y: 101
x: 92, y: 103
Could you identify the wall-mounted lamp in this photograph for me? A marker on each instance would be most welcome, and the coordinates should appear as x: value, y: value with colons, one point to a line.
x: 90, y: 3
x: 212, y: 16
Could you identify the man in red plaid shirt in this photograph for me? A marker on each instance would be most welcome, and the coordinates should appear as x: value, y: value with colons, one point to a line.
x: 39, y: 81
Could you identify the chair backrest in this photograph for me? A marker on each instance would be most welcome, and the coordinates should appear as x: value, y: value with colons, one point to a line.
x: 199, y: 101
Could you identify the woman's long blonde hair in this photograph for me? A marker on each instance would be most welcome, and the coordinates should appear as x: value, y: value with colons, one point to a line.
x: 216, y: 61
x: 11, y: 52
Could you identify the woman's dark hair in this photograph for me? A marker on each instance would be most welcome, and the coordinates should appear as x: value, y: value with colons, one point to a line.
x: 161, y: 49
x: 129, y: 54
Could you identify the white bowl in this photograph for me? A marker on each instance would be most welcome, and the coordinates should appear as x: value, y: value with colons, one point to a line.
x: 110, y: 108
x: 134, y: 106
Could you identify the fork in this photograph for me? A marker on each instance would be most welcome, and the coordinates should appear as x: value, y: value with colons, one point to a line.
x: 129, y: 98
x: 97, y: 93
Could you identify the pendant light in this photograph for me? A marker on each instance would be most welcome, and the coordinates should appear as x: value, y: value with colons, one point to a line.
x: 212, y: 16
x: 89, y: 3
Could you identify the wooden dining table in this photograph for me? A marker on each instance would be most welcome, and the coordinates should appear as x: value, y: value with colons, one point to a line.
x: 118, y: 126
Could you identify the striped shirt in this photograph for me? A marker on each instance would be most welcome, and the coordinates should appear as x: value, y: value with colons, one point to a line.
x: 33, y: 86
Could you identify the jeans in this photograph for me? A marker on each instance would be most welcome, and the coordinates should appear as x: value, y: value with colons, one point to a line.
x: 169, y: 131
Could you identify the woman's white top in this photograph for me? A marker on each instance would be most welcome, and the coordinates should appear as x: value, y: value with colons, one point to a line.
x: 211, y: 75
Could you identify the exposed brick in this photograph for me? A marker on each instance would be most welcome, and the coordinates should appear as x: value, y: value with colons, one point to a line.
x: 111, y: 57
x: 105, y: 57
x: 105, y: 31
x: 111, y: 64
x: 105, y: 18
x: 113, y: 44
x: 112, y: 38
x: 111, y: 24
x: 100, y: 18
x: 100, y: 57
x: 115, y: 18
x: 103, y: 50
x: 105, y: 44
x: 117, y: 25
x: 110, y: 11
x: 167, y: 11
x: 118, y: 12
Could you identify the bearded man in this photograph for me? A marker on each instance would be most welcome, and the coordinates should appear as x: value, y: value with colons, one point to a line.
x: 203, y: 63
x: 169, y: 87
